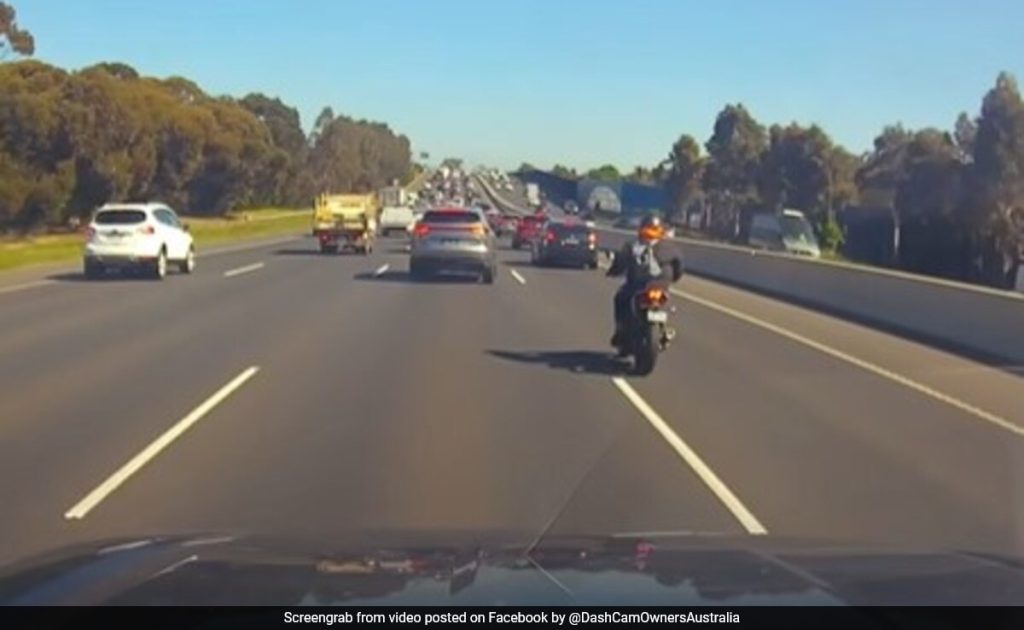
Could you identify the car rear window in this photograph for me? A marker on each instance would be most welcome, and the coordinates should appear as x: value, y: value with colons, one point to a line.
x: 450, y: 216
x: 120, y: 217
x: 570, y: 230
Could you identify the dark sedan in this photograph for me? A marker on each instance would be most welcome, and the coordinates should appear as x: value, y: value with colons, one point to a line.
x: 564, y: 243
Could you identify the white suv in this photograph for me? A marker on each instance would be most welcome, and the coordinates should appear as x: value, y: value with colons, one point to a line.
x: 145, y: 236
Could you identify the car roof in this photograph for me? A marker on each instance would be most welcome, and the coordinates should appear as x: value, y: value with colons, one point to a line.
x: 148, y: 206
x: 455, y: 210
x: 452, y: 209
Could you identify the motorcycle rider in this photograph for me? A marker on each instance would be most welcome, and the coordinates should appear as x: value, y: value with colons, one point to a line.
x: 644, y: 261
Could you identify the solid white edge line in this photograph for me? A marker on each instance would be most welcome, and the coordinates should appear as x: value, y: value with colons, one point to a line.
x: 688, y: 455
x: 519, y: 278
x: 26, y: 285
x: 878, y: 370
x: 240, y: 270
x: 380, y: 270
x: 100, y: 492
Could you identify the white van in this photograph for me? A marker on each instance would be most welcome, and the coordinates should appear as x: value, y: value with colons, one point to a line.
x: 788, y: 231
x: 396, y: 219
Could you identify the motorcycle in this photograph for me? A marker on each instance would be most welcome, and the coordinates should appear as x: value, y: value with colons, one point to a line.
x: 648, y: 332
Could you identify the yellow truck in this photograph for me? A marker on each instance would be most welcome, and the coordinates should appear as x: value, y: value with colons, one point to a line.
x: 343, y: 222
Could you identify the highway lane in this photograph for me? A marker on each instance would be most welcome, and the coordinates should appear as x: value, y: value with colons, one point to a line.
x: 89, y: 366
x: 939, y: 442
x: 376, y: 404
x: 818, y: 447
x: 384, y: 404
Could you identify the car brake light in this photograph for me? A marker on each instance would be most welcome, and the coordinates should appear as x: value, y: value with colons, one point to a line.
x: 146, y: 229
x: 90, y: 232
x: 550, y: 236
x: 592, y: 238
x: 421, y: 230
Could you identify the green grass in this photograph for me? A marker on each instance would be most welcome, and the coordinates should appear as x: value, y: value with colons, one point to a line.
x: 250, y: 224
x: 833, y: 256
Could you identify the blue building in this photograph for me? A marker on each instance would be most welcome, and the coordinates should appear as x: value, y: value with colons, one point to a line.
x: 619, y: 197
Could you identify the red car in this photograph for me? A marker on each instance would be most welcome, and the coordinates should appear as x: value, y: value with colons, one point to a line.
x: 506, y: 224
x: 528, y: 228
x: 493, y: 219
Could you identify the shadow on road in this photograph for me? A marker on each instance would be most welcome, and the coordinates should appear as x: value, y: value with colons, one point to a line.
x: 112, y: 276
x: 317, y: 252
x: 547, y: 266
x: 578, y: 361
x: 298, y: 252
x: 398, y: 276
x: 517, y: 263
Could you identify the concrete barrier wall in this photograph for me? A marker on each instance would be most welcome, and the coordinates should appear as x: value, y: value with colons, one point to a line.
x: 977, y: 319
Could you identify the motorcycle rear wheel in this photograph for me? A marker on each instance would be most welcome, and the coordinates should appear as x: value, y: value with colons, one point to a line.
x: 645, y: 356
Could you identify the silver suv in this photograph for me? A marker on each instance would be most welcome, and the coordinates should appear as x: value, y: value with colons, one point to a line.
x: 452, y: 240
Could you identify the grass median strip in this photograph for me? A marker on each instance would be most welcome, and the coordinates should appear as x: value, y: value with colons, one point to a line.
x: 21, y: 252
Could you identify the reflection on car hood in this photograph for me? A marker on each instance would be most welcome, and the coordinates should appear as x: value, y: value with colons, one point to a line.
x: 625, y: 570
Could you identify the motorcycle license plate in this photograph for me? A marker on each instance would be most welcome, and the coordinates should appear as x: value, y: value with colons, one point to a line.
x: 657, y: 316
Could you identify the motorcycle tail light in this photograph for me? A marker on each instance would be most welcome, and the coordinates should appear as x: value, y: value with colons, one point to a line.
x: 655, y: 296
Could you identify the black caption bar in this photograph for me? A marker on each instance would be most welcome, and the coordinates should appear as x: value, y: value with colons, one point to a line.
x: 178, y: 618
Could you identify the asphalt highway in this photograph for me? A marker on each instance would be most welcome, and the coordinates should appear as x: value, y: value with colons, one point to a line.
x: 281, y: 391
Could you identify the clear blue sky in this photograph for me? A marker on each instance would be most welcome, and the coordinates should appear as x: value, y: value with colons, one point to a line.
x: 575, y: 81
